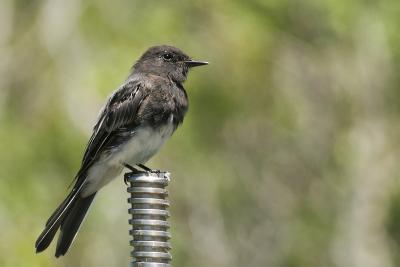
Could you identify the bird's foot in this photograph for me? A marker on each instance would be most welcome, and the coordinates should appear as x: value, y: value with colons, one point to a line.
x: 132, y: 169
x: 145, y: 169
x: 148, y: 170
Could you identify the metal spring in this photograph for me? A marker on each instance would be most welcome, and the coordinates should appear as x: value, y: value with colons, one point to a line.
x: 149, y: 213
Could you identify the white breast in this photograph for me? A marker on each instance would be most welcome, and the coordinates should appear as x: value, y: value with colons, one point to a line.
x: 144, y: 143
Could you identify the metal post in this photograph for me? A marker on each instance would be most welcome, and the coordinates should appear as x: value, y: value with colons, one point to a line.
x: 149, y: 203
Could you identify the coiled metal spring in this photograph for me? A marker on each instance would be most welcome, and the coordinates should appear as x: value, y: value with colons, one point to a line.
x: 150, y: 228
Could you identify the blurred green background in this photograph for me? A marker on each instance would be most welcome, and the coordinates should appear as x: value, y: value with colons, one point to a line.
x: 288, y: 157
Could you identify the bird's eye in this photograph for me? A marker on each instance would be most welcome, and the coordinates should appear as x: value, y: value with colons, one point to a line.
x: 167, y: 56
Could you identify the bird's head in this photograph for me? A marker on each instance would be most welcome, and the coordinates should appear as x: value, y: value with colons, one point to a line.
x: 166, y: 61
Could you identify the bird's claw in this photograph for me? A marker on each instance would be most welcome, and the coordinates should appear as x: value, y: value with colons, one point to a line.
x: 148, y: 170
x: 132, y: 169
x: 153, y: 172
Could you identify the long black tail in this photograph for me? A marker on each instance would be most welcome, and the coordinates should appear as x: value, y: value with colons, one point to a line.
x: 71, y: 223
x: 67, y: 217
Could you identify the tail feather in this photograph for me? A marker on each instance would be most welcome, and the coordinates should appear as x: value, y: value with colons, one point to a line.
x: 68, y: 216
x: 52, y: 225
x: 60, y: 208
x: 71, y: 224
x: 46, y: 237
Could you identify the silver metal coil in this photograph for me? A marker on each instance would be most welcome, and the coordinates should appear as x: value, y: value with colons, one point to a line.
x: 149, y: 214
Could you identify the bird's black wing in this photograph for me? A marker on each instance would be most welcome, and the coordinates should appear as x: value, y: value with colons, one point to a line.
x: 119, y: 112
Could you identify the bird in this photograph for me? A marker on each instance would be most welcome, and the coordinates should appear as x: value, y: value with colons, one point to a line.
x: 135, y: 122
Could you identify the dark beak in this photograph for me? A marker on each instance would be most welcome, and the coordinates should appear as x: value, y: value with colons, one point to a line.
x: 194, y: 63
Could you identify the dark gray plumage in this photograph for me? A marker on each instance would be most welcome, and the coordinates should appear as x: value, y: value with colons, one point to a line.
x: 137, y: 119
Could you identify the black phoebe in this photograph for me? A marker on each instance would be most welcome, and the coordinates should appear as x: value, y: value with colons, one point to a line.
x: 137, y: 119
